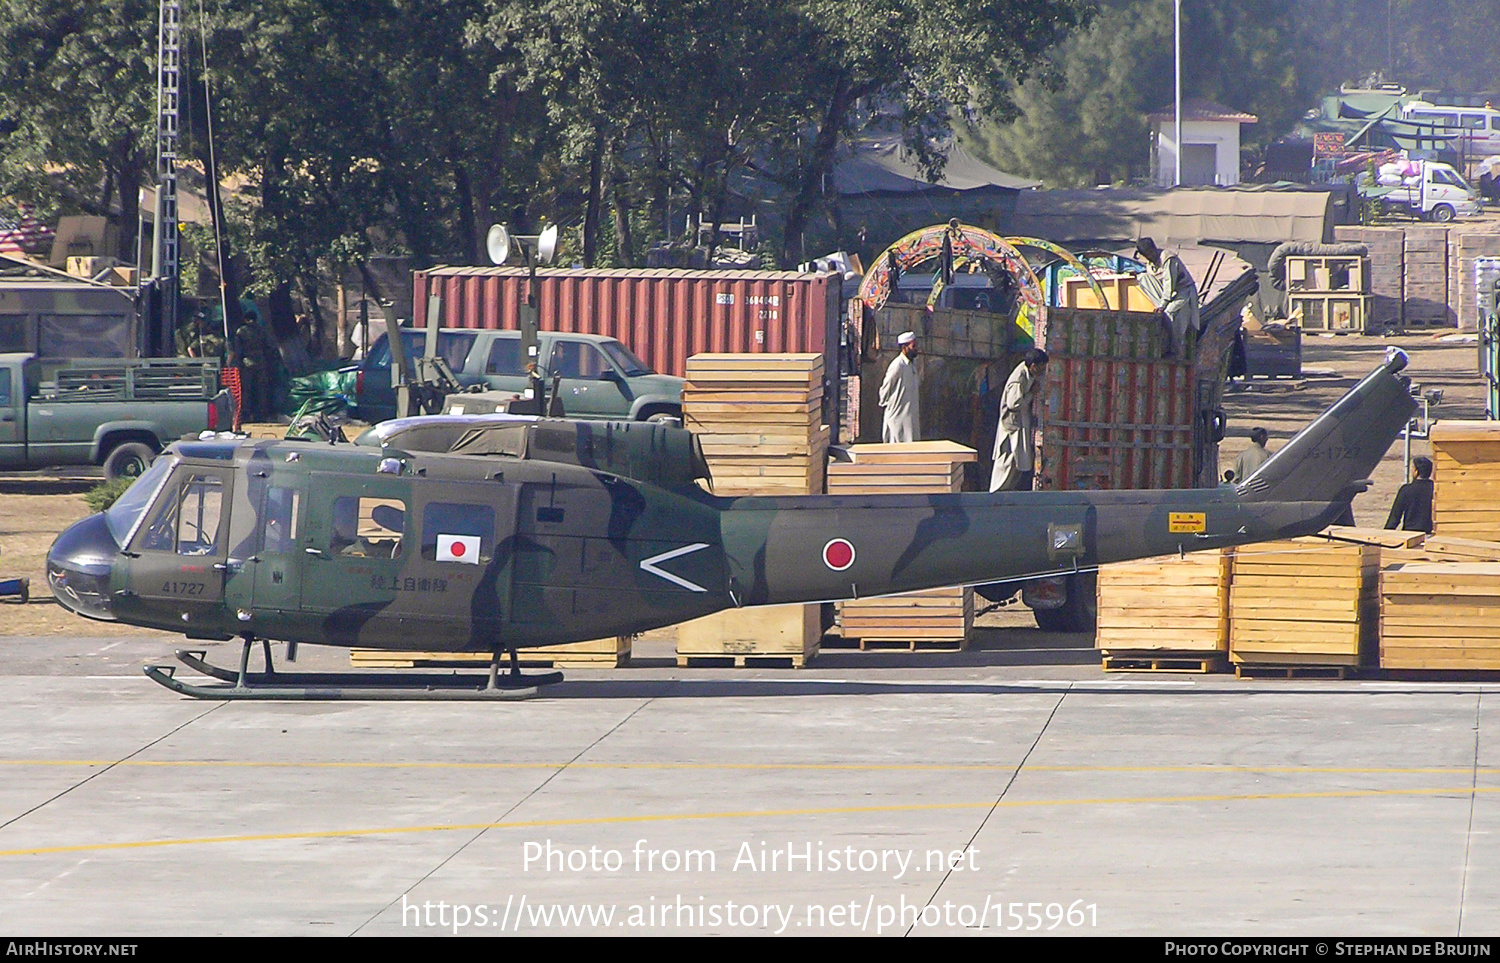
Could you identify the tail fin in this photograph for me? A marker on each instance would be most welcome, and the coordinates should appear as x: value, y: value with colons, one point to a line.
x: 1331, y: 459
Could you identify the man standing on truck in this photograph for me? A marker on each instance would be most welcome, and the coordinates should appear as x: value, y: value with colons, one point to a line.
x: 1015, y: 438
x: 899, y: 395
x: 1178, y: 293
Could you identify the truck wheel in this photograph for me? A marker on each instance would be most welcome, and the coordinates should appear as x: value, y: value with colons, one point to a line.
x: 128, y: 460
x: 668, y: 417
x: 1079, y: 611
x: 1052, y: 620
x: 1443, y: 213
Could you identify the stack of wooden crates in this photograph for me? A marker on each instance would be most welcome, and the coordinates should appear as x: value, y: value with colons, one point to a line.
x: 759, y: 418
x: 938, y: 618
x: 1332, y: 293
x: 1440, y: 603
x: 1188, y: 598
x: 1304, y: 602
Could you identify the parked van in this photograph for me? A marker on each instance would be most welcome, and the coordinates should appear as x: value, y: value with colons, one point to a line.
x: 601, y: 378
x: 1476, y: 129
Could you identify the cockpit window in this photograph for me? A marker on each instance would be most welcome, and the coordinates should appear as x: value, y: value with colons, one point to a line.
x: 126, y: 511
x: 187, y: 523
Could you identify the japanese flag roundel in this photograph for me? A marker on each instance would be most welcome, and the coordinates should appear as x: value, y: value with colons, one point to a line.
x: 458, y: 548
x: 838, y: 554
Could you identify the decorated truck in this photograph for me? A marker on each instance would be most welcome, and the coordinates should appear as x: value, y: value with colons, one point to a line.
x: 1116, y: 414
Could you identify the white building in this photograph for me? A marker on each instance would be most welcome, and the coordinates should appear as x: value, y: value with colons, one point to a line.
x: 1211, y: 144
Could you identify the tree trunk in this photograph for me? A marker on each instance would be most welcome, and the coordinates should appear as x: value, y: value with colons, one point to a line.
x: 820, y: 163
x: 624, y: 243
x: 470, y: 230
x: 591, y: 206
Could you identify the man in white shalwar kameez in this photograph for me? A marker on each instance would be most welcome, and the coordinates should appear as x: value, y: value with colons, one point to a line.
x: 899, y: 395
x: 1015, y: 437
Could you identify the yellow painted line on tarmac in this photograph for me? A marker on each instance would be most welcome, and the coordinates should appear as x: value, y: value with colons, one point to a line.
x: 1459, y: 791
x: 759, y: 766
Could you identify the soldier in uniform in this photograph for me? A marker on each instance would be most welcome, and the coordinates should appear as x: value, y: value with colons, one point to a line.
x: 253, y: 344
x: 195, y: 339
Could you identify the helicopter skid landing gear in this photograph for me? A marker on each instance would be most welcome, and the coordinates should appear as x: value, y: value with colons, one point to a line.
x: 350, y: 686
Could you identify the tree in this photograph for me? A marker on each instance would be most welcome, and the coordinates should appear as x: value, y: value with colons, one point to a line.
x: 77, y: 126
x: 1086, y: 124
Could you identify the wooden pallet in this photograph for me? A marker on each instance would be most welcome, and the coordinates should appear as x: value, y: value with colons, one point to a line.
x: 1155, y: 661
x: 745, y: 661
x: 1268, y: 670
x: 609, y: 653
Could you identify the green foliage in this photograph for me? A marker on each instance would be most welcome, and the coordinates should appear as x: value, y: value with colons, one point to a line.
x: 104, y: 494
x: 1087, y: 123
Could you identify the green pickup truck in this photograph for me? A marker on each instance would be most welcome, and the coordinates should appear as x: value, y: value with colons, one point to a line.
x: 117, y: 414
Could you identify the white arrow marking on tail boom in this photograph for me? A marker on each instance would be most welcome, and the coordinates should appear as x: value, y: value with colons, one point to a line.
x: 649, y: 565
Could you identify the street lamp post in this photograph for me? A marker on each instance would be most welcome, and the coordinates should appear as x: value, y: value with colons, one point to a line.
x: 1177, y: 101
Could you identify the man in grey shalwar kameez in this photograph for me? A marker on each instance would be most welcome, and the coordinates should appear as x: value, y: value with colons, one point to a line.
x: 1179, y: 293
x: 899, y: 395
x: 1015, y: 438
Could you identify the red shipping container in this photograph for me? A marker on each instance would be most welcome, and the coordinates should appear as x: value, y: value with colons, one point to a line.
x: 663, y: 315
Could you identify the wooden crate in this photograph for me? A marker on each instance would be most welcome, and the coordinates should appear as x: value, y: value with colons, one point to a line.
x: 1440, y: 615
x: 1328, y: 274
x: 1466, y: 479
x: 939, y: 618
x: 759, y: 420
x: 1123, y: 291
x: 790, y: 632
x: 1331, y: 312
x: 611, y: 652
x: 1305, y: 601
x: 1187, y: 598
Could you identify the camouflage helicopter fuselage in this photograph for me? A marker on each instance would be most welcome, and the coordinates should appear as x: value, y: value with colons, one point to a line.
x: 453, y: 534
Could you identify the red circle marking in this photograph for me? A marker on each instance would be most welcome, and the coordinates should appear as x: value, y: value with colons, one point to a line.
x: 838, y: 554
x: 457, y: 548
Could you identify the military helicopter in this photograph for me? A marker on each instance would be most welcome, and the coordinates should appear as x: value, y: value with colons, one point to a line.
x: 498, y: 532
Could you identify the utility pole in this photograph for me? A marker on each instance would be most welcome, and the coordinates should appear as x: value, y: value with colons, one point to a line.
x: 165, y: 266
x: 1177, y: 102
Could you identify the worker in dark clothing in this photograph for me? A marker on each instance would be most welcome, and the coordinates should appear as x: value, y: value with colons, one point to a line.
x: 1412, y: 509
x: 257, y: 353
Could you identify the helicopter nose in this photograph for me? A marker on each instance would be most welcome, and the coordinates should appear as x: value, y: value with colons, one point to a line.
x: 78, y: 565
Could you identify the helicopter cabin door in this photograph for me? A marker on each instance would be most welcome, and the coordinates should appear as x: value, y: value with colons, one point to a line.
x: 182, y: 547
x: 264, y: 588
x: 461, y: 566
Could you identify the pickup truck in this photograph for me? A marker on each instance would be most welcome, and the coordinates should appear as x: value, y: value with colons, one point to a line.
x: 601, y: 378
x: 113, y: 413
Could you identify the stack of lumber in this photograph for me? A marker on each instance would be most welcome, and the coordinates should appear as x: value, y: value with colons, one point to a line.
x: 1466, y: 476
x: 1440, y: 606
x: 938, y: 618
x: 1310, y: 601
x: 611, y: 652
x: 1187, y: 598
x: 759, y: 418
